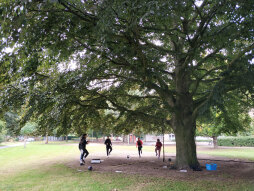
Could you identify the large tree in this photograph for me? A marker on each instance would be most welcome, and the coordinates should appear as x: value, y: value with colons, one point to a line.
x: 182, y: 56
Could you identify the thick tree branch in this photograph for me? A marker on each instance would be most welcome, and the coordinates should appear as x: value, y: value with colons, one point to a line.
x: 74, y: 10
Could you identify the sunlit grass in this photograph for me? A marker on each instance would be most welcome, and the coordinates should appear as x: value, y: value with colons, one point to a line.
x: 239, y: 153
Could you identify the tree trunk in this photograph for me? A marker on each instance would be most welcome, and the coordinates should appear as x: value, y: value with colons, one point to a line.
x: 184, y: 125
x: 215, y: 142
x: 186, y: 156
x: 25, y: 139
x: 47, y: 139
x: 163, y: 142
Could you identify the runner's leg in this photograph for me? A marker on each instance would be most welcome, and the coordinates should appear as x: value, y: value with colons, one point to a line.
x: 107, y: 150
x: 86, y: 153
x: 81, y: 156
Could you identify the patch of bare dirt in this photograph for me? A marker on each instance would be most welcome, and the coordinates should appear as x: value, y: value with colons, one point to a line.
x: 150, y: 165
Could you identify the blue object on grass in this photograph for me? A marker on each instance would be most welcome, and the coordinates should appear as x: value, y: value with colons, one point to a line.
x: 211, y: 166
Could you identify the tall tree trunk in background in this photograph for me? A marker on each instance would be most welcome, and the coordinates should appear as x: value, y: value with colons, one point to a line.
x: 47, y: 139
x: 25, y: 140
x: 66, y: 138
x: 215, y: 142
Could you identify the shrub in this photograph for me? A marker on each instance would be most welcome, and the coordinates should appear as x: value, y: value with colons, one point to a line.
x: 1, y: 138
x: 73, y: 137
x: 236, y: 141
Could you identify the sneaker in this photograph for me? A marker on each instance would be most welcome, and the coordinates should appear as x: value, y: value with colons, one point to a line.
x: 81, y: 164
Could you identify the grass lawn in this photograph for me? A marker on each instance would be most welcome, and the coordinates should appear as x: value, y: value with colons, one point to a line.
x: 239, y: 153
x: 42, y: 167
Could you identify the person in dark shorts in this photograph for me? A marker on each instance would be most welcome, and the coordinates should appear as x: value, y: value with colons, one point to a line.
x: 108, y: 144
x: 82, y: 147
x: 158, y: 148
x: 139, y: 145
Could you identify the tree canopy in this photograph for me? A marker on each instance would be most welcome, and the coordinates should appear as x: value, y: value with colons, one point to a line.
x: 29, y: 129
x: 129, y: 64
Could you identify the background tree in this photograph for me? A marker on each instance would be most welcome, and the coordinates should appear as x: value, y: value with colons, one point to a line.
x: 29, y: 129
x: 184, y: 56
x: 230, y: 119
x: 2, y: 134
x: 2, y: 125
x: 12, y: 121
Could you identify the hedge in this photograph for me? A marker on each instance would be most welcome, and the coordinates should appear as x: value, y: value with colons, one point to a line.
x: 72, y: 137
x: 237, y: 141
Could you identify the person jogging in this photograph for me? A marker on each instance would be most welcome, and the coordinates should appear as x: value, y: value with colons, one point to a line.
x: 158, y: 148
x: 139, y: 145
x: 82, y: 147
x: 108, y: 144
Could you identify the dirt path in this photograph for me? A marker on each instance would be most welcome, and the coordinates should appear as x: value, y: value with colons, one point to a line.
x: 14, y: 145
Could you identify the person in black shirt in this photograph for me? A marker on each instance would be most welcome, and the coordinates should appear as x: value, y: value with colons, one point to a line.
x: 108, y: 145
x: 82, y: 147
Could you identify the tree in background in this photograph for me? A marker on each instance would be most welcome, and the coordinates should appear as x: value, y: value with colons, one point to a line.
x: 229, y: 119
x: 2, y: 127
x: 184, y: 56
x: 29, y: 129
x: 12, y: 121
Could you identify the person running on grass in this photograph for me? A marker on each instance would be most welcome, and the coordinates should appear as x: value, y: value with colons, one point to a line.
x: 108, y: 145
x: 158, y: 148
x: 82, y: 147
x: 139, y: 145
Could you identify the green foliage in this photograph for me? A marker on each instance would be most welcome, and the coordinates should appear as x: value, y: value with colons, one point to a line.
x: 12, y: 123
x: 2, y: 125
x: 72, y: 137
x: 29, y: 129
x: 237, y: 141
x: 1, y: 138
x: 230, y: 118
x: 2, y: 131
x: 113, y: 45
